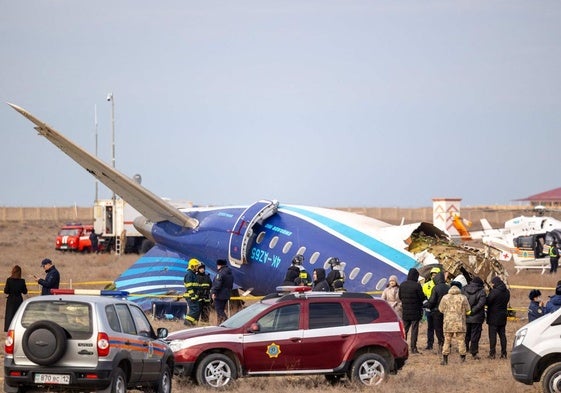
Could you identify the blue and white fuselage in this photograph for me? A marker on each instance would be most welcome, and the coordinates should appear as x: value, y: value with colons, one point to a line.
x: 316, y: 233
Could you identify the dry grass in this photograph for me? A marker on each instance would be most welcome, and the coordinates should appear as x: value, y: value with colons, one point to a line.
x: 27, y: 243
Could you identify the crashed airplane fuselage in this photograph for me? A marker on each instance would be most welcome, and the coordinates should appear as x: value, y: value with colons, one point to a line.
x: 259, y: 240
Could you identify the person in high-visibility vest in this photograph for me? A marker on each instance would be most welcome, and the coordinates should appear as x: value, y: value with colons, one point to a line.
x: 427, y: 290
x: 191, y: 294
x: 553, y: 257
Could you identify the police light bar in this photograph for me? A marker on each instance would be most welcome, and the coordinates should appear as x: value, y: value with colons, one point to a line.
x: 92, y: 292
x: 293, y: 288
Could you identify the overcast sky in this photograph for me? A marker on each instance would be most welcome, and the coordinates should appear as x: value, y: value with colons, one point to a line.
x: 328, y: 103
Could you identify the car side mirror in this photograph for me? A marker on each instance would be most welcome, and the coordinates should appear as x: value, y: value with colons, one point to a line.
x: 162, y: 332
x: 254, y: 328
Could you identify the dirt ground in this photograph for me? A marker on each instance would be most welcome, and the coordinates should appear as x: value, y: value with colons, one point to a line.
x: 27, y: 243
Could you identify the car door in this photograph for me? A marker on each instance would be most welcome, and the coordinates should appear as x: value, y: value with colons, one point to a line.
x: 130, y: 341
x: 276, y: 345
x: 152, y: 353
x: 328, y: 336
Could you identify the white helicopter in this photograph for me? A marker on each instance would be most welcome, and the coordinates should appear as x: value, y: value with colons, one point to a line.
x: 525, y: 240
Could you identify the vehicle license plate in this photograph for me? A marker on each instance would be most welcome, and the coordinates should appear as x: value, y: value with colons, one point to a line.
x: 56, y: 379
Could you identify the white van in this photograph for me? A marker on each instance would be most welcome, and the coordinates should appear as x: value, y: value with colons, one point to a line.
x: 536, y: 354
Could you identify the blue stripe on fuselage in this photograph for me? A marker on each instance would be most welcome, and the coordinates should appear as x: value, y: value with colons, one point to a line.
x: 158, y: 265
x: 361, y: 238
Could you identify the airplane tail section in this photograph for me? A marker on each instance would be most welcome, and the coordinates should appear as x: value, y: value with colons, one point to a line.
x: 157, y: 274
x: 485, y: 225
x: 461, y: 226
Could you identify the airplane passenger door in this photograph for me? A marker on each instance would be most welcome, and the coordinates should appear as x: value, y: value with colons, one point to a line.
x: 243, y: 229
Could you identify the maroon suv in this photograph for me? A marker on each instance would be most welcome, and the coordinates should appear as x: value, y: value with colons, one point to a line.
x: 338, y: 334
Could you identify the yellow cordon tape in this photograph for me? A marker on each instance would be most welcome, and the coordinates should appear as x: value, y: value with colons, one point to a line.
x: 248, y: 298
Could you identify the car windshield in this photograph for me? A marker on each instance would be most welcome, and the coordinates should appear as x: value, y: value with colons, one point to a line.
x: 69, y: 232
x: 242, y: 317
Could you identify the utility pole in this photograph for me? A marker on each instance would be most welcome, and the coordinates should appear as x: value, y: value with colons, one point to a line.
x: 111, y: 98
x: 95, y: 129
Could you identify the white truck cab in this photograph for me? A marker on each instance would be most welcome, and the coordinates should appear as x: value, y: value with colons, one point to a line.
x: 536, y: 354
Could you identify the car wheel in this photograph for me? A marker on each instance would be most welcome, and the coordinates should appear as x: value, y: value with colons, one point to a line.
x: 44, y: 342
x: 216, y: 370
x: 551, y: 378
x: 164, y: 382
x: 369, y: 369
x: 118, y: 382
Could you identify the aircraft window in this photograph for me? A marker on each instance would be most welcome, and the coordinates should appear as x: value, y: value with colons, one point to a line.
x: 354, y: 273
x: 287, y: 247
x: 381, y: 284
x: 314, y: 258
x: 366, y: 278
x: 260, y: 237
x: 301, y: 250
x: 273, y: 242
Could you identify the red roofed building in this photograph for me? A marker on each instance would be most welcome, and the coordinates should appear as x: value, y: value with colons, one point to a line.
x: 551, y: 198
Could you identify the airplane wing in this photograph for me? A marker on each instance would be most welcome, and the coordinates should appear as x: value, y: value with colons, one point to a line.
x: 148, y: 204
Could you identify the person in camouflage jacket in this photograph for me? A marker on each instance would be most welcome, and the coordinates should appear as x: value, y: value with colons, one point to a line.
x: 454, y: 306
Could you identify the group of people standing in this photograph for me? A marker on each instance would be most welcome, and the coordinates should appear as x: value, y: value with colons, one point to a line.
x: 201, y: 292
x: 455, y: 310
x: 296, y: 275
x: 538, y: 307
x: 16, y: 287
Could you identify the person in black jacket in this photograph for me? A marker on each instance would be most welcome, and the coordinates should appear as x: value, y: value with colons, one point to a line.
x: 440, y: 289
x: 221, y: 289
x: 296, y: 274
x: 336, y: 277
x: 52, y: 278
x: 14, y: 288
x: 412, y: 298
x: 475, y: 293
x: 536, y: 307
x: 497, y: 313
x: 94, y: 241
x: 319, y: 282
x: 203, y: 278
